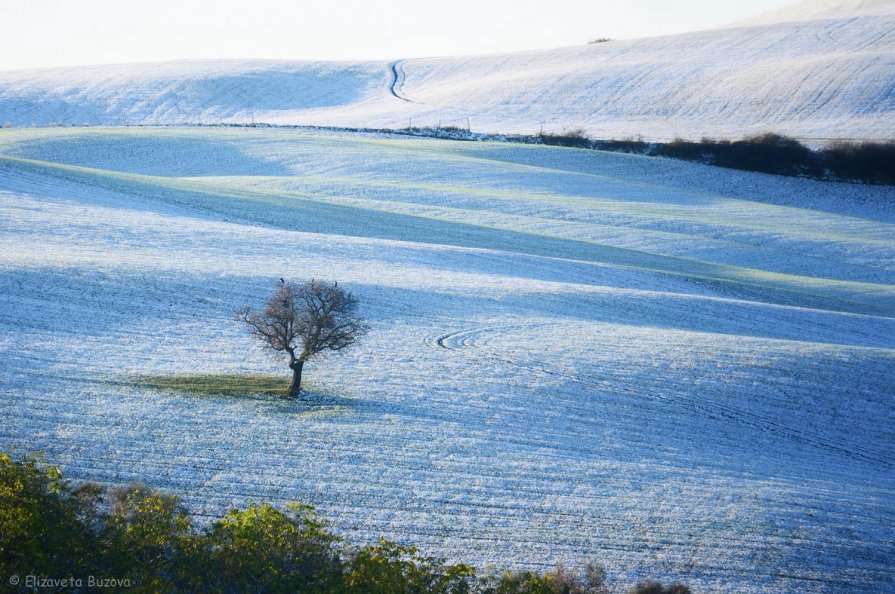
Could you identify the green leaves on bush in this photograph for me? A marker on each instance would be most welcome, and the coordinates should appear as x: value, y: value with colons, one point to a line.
x: 147, y: 541
x: 389, y: 568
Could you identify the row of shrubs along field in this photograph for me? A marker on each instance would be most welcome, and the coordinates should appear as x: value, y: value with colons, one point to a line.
x: 868, y: 162
x: 842, y: 160
x: 865, y: 162
x: 59, y: 538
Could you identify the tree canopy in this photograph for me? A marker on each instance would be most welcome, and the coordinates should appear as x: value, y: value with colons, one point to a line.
x: 306, y: 320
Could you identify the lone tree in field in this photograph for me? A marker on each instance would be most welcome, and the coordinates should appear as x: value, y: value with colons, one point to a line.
x: 305, y: 320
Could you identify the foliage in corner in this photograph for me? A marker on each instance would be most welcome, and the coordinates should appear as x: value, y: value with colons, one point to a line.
x: 147, y: 541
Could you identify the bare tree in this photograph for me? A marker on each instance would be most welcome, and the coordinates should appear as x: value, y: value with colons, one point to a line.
x: 305, y: 320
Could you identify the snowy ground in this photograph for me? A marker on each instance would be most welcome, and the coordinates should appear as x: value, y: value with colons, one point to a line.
x: 819, y: 70
x: 575, y: 355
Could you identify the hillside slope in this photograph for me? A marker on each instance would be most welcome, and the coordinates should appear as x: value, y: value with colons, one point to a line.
x: 813, y: 70
x: 574, y: 355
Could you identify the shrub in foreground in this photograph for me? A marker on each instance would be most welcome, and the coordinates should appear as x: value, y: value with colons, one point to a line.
x: 141, y: 540
x: 652, y: 587
x: 45, y: 526
x: 558, y: 581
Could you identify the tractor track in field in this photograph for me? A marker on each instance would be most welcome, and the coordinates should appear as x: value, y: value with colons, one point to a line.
x: 466, y: 342
x: 396, y: 84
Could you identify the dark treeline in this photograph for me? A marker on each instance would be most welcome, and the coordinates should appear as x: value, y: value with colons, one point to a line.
x: 868, y: 162
x: 55, y: 537
x: 847, y: 161
x: 864, y: 162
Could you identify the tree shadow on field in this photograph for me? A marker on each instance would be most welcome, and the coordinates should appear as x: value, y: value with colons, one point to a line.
x: 269, y: 389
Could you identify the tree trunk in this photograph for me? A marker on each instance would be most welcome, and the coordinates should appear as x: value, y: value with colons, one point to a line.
x: 295, y: 387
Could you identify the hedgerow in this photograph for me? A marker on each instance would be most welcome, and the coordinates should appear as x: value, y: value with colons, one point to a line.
x: 137, y: 539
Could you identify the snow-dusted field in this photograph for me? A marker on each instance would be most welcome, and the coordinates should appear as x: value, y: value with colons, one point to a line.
x: 819, y: 69
x: 575, y: 355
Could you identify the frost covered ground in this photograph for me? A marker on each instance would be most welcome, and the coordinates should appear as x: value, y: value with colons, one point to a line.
x: 575, y: 355
x: 819, y: 69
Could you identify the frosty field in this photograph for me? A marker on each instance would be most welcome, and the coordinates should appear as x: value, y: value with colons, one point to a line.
x: 574, y: 355
x: 817, y: 70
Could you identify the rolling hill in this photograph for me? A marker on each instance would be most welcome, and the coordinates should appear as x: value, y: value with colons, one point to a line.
x: 575, y: 355
x: 815, y: 70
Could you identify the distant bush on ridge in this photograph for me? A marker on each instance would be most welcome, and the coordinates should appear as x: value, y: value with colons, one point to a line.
x: 866, y: 162
x: 870, y: 162
x: 573, y: 139
x: 768, y: 153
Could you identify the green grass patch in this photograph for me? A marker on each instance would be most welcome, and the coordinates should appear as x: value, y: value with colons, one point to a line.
x: 270, y: 388
x: 220, y: 385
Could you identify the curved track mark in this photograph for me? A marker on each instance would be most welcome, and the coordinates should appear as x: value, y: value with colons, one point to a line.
x: 396, y: 85
x: 464, y: 341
